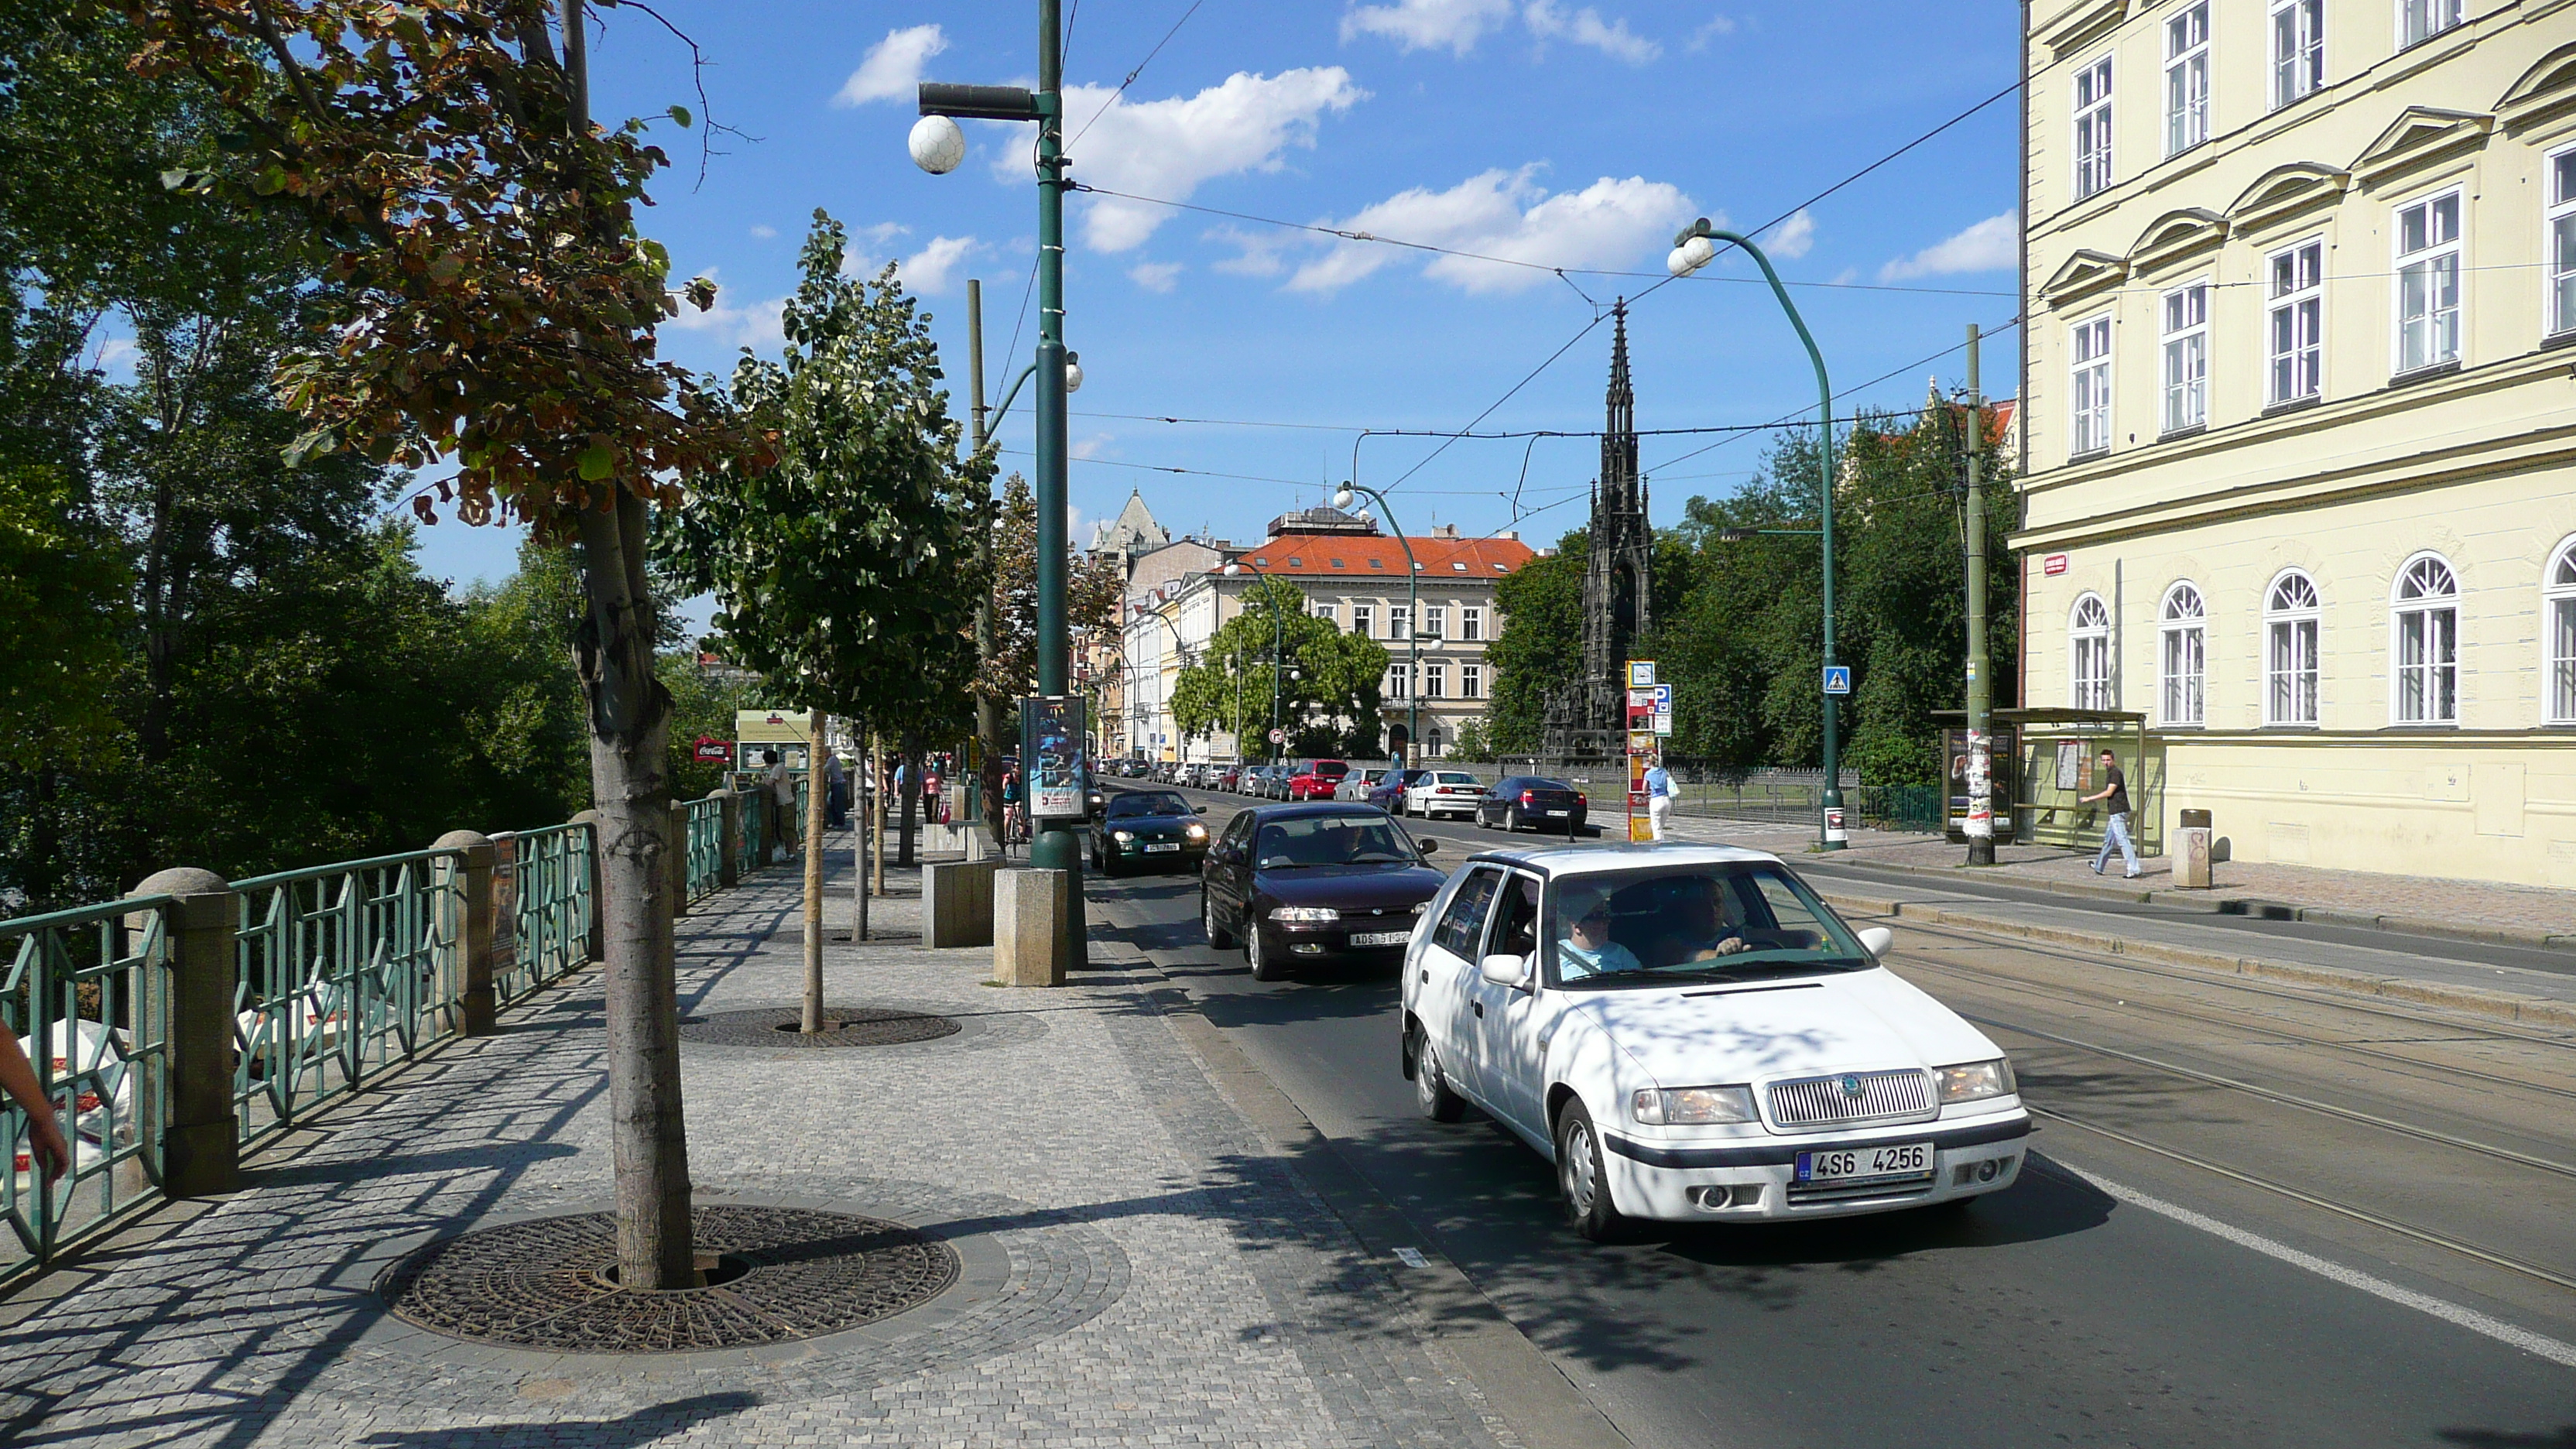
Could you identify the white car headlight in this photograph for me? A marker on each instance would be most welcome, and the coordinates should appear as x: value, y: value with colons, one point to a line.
x: 1123, y: 837
x: 1692, y: 1106
x: 1197, y: 832
x: 1305, y: 913
x: 1976, y: 1081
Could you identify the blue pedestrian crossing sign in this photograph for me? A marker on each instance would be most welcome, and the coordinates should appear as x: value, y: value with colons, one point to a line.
x: 1837, y: 679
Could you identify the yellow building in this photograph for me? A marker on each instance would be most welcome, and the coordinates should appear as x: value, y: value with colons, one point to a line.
x: 2299, y: 442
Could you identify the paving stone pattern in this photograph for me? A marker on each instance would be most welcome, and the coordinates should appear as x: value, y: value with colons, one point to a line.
x: 1139, y: 1266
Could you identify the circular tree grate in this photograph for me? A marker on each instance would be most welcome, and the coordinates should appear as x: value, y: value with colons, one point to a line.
x: 844, y: 1026
x: 778, y: 1274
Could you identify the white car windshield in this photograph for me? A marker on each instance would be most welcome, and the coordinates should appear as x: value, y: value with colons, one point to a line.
x: 1706, y: 922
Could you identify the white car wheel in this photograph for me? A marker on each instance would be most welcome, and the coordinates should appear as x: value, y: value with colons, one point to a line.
x: 1581, y: 1177
x: 1431, y: 1093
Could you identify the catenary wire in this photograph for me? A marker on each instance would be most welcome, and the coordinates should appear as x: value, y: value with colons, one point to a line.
x: 1131, y: 75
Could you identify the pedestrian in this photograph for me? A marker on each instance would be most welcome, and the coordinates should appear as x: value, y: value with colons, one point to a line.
x: 1010, y: 804
x: 45, y: 1146
x: 836, y: 799
x: 2115, y: 830
x: 781, y: 786
x: 934, y: 807
x: 1659, y: 795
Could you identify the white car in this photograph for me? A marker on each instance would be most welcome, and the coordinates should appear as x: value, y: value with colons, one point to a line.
x: 1444, y: 792
x: 1690, y: 1035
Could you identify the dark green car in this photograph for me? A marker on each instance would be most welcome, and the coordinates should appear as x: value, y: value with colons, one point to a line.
x: 1148, y: 830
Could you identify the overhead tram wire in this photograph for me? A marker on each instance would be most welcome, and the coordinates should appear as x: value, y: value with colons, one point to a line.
x: 1131, y: 75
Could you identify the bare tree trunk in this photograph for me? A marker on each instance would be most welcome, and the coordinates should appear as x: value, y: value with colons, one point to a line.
x: 814, y: 811
x: 876, y: 817
x: 630, y: 721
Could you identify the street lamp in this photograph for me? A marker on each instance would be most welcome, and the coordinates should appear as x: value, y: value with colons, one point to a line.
x: 1342, y: 499
x: 939, y: 148
x: 1180, y: 652
x: 1693, y: 249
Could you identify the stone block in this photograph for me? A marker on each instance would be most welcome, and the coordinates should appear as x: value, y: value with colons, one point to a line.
x: 957, y: 903
x: 2192, y: 858
x: 1030, y: 909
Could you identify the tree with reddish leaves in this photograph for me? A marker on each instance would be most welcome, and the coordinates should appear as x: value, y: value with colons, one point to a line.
x: 488, y: 304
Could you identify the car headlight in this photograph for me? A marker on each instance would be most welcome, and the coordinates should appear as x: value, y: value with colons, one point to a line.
x: 1123, y: 837
x: 1692, y: 1106
x: 1976, y: 1081
x: 1197, y: 832
x: 1305, y: 913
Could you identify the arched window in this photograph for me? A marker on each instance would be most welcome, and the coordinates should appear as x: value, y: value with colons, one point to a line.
x: 2088, y: 633
x: 2558, y: 602
x: 2290, y: 651
x: 2424, y: 630
x: 2182, y: 626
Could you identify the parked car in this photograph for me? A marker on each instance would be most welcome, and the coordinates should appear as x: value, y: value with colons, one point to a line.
x: 1224, y: 777
x: 1358, y: 783
x: 1689, y: 1034
x: 1274, y: 782
x: 1443, y: 792
x: 1534, y: 801
x: 1292, y: 883
x: 1388, y: 793
x: 1316, y: 779
x: 1145, y: 829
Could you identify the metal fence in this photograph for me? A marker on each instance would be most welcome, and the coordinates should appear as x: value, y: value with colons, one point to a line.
x: 705, y: 844
x: 86, y: 997
x: 551, y: 878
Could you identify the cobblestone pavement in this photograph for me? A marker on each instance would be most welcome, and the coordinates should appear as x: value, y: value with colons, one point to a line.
x: 1141, y: 1268
x: 2535, y: 910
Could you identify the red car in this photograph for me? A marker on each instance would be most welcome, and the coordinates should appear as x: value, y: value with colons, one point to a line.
x: 1317, y: 779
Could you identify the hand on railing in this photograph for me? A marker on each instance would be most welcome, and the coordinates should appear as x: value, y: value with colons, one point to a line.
x: 52, y: 1154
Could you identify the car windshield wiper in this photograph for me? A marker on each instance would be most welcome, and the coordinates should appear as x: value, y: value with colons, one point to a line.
x: 1375, y: 857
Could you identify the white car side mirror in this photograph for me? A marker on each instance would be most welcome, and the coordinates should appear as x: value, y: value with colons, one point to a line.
x: 1877, y: 940
x: 1505, y: 970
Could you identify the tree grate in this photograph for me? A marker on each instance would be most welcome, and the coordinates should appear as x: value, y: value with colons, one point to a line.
x: 781, y: 1274
x: 845, y: 1026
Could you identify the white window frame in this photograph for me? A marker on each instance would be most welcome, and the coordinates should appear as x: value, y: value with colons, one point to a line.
x: 1363, y: 620
x: 2298, y: 50
x: 2431, y: 258
x: 2092, y: 126
x: 2187, y: 78
x: 1435, y: 620
x: 1399, y: 621
x: 2088, y: 652
x: 1471, y: 623
x: 2424, y: 642
x: 2558, y: 636
x: 2420, y: 20
x: 2290, y: 623
x: 1329, y: 613
x: 1471, y: 681
x: 2089, y: 416
x: 1399, y: 681
x: 2558, y: 241
x: 2300, y: 307
x: 1435, y: 679
x: 2183, y: 318
x: 2182, y: 655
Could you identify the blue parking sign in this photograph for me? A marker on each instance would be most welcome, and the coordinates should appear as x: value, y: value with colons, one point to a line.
x: 1837, y: 679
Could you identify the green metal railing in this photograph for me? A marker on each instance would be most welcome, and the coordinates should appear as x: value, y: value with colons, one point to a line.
x: 552, y: 872
x: 344, y: 971
x: 85, y: 994
x: 755, y: 831
x: 705, y: 845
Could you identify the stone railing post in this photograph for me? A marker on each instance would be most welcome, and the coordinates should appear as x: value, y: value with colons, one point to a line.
x: 201, y: 1136
x: 474, y: 937
x: 729, y: 870
x: 595, y: 948
x: 676, y: 855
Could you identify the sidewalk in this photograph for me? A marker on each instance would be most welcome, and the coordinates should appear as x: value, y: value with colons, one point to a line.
x: 1140, y: 1264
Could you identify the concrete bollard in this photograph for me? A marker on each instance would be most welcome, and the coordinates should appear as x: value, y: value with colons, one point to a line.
x: 957, y: 903
x: 1030, y: 910
x: 201, y: 1138
x: 2192, y: 853
x: 729, y: 870
x: 594, y: 949
x: 474, y: 933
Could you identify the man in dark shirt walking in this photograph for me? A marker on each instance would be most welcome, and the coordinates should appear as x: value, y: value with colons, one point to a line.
x: 2115, y: 831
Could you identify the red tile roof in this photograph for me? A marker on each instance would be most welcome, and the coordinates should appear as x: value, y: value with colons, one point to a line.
x: 1350, y: 555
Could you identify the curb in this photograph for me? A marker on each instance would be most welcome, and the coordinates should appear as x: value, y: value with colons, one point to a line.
x: 2506, y: 1006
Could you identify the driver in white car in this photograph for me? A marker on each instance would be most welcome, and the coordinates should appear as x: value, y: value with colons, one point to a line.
x: 1707, y: 929
x: 1587, y: 949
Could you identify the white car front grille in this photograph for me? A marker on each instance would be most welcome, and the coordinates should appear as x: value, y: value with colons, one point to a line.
x: 1852, y: 1097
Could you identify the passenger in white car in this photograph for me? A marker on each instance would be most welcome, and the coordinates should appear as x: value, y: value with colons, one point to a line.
x: 1587, y: 949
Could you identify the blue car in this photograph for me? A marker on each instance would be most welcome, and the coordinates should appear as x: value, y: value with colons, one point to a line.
x: 1388, y: 793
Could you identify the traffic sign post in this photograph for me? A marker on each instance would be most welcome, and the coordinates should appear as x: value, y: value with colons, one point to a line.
x: 1643, y: 701
x: 1837, y: 679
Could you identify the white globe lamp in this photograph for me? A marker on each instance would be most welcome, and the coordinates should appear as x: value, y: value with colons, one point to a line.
x: 937, y: 145
x: 1073, y: 372
x: 1342, y: 497
x: 1693, y: 254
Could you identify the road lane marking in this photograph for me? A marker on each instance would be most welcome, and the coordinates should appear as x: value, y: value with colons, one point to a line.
x: 2452, y: 1313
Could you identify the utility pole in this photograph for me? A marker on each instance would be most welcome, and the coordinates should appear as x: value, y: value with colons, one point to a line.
x: 1981, y: 816
x: 988, y: 710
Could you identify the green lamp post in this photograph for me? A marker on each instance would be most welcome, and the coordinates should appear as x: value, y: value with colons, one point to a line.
x: 1342, y: 499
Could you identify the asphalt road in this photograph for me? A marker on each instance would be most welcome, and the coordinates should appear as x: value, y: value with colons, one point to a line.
x: 2254, y: 1216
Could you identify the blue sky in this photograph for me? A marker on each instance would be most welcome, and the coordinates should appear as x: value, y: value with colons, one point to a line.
x: 1543, y: 131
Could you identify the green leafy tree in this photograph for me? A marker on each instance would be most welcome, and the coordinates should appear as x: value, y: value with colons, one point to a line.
x: 1541, y: 643
x: 1331, y: 702
x: 1472, y: 745
x: 1094, y: 588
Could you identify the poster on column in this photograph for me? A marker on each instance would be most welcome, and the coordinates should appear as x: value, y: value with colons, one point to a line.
x: 1052, y: 751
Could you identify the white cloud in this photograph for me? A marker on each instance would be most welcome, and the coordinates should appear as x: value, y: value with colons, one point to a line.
x: 1088, y: 448
x: 764, y: 233
x: 882, y: 232
x: 1794, y: 237
x: 1719, y: 24
x: 892, y: 67
x: 1167, y: 148
x: 115, y: 356
x: 1258, y: 254
x: 1454, y: 25
x: 1549, y: 20
x: 1992, y: 245
x: 930, y: 270
x: 1155, y: 276
x: 1506, y: 214
x: 755, y: 326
